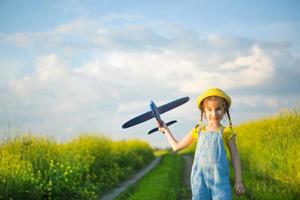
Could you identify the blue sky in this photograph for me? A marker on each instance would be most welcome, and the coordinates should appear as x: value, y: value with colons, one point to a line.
x: 68, y: 67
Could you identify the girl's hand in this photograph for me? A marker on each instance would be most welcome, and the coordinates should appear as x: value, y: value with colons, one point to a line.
x: 239, y: 188
x: 162, y: 127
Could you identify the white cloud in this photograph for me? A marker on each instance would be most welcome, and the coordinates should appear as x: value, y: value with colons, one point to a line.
x: 125, y: 17
x: 80, y: 25
x: 50, y: 69
x: 63, y: 35
x: 219, y: 41
x: 21, y: 87
x: 111, y: 73
x: 102, y: 81
x: 49, y: 72
x: 19, y: 39
x: 244, y: 71
x: 256, y: 101
x: 181, y: 73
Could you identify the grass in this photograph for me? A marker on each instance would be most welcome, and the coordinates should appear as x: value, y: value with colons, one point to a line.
x: 37, y: 168
x: 84, y: 168
x: 164, y: 182
x: 269, y: 150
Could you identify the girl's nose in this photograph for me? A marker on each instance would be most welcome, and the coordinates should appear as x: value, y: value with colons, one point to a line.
x: 213, y: 113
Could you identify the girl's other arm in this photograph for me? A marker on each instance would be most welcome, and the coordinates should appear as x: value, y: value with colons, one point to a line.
x: 235, y: 158
x: 176, y: 146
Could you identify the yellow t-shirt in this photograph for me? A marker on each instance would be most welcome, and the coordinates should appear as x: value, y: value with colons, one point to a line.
x: 226, y: 135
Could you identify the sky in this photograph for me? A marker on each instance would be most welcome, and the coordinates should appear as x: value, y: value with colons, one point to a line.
x: 74, y: 67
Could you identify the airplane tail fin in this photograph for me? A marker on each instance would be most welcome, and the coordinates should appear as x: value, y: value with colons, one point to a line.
x: 156, y: 129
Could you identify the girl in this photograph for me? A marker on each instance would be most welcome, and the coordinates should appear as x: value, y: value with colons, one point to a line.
x: 210, y: 174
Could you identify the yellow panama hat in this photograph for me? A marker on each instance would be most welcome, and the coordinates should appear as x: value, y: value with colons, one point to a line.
x: 213, y: 92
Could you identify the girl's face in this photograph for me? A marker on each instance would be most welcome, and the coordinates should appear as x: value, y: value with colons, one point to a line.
x: 214, y: 110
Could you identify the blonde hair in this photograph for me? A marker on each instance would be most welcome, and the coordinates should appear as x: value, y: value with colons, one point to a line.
x: 223, y: 102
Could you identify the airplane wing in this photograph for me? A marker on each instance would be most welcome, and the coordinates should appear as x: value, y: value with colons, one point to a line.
x: 156, y: 129
x: 169, y: 106
x: 149, y: 115
x: 139, y: 119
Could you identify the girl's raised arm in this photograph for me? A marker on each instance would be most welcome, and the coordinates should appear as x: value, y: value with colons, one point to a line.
x: 176, y: 146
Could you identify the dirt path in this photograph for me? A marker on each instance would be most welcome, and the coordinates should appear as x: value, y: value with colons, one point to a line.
x: 124, y: 185
x: 187, y: 174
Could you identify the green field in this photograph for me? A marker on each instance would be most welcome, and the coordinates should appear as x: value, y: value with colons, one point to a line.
x: 84, y: 168
x: 164, y: 182
x: 269, y: 150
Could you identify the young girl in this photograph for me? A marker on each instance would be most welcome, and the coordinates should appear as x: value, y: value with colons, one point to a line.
x: 210, y: 174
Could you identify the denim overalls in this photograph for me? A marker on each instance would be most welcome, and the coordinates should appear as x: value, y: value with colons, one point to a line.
x: 210, y: 174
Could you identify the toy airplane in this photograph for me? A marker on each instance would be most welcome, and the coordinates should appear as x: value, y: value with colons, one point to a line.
x: 155, y: 113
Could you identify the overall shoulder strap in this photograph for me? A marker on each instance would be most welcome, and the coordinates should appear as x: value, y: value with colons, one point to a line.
x: 199, y: 127
x: 222, y: 128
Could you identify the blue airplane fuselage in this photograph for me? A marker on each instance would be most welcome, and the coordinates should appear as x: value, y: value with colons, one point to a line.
x: 155, y: 112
